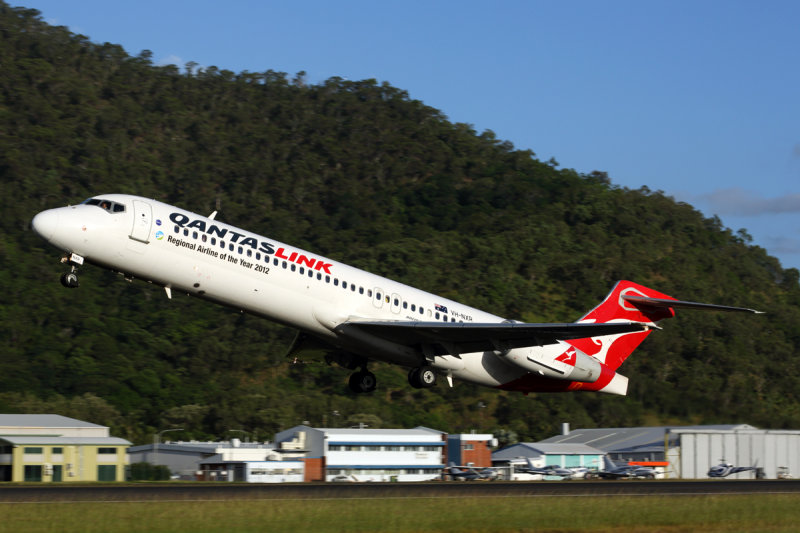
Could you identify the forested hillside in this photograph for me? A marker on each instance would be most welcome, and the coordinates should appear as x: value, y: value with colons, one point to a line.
x: 360, y: 172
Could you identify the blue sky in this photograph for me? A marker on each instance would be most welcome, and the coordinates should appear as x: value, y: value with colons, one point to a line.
x: 698, y: 98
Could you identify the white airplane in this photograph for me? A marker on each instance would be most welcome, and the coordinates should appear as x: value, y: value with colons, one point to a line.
x: 351, y: 315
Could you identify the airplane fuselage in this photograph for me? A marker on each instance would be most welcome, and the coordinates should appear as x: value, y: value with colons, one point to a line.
x: 352, y: 315
x: 209, y: 259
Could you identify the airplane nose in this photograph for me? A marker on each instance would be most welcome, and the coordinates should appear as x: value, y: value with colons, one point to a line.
x: 45, y: 223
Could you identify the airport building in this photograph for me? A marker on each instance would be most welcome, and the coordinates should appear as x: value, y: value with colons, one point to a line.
x: 232, y: 460
x: 55, y: 448
x: 470, y: 449
x: 689, y: 452
x: 358, y: 454
x: 514, y: 459
x: 304, y: 453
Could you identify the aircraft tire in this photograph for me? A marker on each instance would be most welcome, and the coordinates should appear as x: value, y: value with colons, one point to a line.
x: 362, y: 381
x: 423, y: 377
x: 69, y: 280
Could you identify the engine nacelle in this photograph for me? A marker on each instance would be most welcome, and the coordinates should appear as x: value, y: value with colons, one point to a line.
x: 557, y: 361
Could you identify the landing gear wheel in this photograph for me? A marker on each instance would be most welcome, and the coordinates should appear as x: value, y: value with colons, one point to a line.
x: 362, y: 381
x: 69, y: 280
x: 423, y: 377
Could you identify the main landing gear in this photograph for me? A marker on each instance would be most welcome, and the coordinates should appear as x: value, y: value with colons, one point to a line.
x: 423, y: 377
x: 362, y: 381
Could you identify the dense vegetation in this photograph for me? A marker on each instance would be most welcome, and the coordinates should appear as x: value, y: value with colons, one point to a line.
x: 360, y: 172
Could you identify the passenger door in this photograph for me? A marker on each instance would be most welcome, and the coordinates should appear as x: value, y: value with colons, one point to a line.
x: 142, y: 221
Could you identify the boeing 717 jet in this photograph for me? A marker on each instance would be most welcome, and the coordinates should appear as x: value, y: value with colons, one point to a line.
x: 353, y: 316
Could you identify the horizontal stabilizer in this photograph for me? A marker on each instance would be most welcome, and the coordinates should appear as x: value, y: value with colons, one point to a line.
x: 663, y: 302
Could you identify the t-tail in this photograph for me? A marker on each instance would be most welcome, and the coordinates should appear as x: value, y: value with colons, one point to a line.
x: 630, y: 302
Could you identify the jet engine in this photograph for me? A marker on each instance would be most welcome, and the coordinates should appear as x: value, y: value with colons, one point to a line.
x: 556, y: 361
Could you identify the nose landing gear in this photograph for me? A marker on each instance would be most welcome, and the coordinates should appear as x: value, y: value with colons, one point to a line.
x: 70, y: 279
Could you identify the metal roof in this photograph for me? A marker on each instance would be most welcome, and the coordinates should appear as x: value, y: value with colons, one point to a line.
x: 416, y: 432
x: 44, y: 421
x: 637, y: 439
x: 67, y: 441
x: 191, y: 447
x: 201, y: 447
x: 537, y: 449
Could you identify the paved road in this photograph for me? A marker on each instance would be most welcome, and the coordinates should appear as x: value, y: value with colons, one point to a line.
x: 235, y: 491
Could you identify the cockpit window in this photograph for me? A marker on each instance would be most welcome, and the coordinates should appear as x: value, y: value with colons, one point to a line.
x: 108, y: 205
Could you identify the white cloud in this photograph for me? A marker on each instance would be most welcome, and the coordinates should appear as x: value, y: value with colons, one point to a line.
x: 740, y: 202
x: 782, y: 245
x: 170, y: 60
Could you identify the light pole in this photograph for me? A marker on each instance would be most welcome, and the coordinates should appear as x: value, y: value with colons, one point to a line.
x: 157, y: 440
x: 246, y: 434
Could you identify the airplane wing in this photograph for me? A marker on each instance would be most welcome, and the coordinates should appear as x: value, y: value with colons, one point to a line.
x: 454, y: 338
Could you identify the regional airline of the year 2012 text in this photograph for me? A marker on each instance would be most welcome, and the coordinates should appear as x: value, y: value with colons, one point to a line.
x: 349, y: 314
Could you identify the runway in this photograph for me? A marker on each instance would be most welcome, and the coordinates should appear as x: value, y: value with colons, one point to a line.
x: 127, y: 492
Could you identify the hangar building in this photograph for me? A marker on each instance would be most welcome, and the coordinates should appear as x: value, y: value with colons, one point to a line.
x: 221, y: 461
x: 691, y: 451
x: 565, y: 455
x: 55, y: 448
